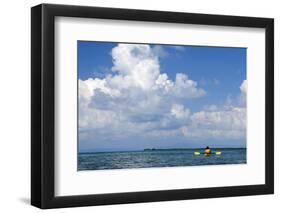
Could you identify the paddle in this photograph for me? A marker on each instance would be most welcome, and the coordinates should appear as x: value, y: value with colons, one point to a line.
x: 198, y: 153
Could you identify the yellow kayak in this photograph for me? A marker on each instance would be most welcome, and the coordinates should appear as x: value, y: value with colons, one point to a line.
x: 198, y: 153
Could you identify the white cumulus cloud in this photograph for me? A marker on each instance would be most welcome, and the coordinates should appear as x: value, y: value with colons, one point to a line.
x: 137, y: 92
x: 220, y: 122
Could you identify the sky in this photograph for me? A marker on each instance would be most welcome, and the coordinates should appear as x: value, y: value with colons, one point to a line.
x: 137, y: 96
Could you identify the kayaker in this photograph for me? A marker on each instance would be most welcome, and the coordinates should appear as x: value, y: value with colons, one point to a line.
x: 208, y: 151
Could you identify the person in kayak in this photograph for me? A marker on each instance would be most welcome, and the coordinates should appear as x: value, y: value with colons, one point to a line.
x: 208, y: 151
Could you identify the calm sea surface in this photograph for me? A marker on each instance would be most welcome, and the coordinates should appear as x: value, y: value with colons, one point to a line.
x: 158, y: 158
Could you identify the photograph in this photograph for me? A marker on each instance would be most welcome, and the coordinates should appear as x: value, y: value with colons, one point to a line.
x: 143, y: 105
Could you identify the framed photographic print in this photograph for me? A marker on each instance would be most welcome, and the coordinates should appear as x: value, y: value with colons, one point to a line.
x: 139, y: 106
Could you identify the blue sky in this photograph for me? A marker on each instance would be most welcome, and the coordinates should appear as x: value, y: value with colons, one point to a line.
x: 212, y: 81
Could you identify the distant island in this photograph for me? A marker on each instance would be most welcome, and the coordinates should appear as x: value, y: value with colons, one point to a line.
x: 152, y: 149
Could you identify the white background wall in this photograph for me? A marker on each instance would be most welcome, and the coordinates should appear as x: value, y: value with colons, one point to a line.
x: 15, y: 105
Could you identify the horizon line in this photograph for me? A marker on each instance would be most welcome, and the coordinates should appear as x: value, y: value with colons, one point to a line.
x: 157, y: 149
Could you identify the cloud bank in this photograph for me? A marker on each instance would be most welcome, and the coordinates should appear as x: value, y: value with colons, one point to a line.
x: 138, y: 100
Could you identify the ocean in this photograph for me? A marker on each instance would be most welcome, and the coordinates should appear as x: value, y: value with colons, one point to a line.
x: 159, y: 158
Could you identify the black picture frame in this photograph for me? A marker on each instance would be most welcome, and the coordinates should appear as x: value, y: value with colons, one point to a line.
x: 43, y: 102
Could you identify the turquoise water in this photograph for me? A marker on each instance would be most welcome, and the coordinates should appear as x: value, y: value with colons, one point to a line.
x: 158, y: 158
